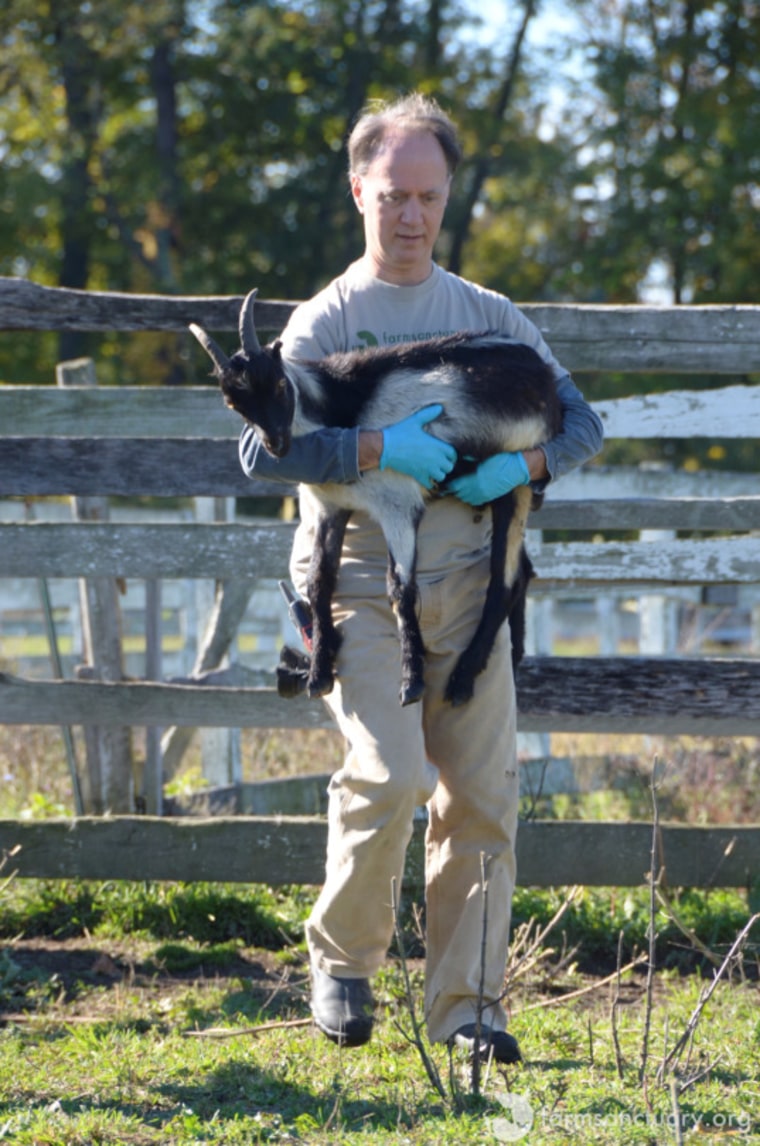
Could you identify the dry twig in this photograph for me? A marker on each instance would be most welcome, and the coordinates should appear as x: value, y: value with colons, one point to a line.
x: 694, y: 939
x: 614, y: 1009
x: 416, y: 1037
x: 653, y: 879
x: 556, y: 1002
x: 475, y: 1075
x: 705, y: 996
x: 226, y: 1033
x: 521, y: 964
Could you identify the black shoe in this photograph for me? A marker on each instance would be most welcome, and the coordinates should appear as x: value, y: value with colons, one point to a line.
x: 503, y: 1045
x: 342, y: 1008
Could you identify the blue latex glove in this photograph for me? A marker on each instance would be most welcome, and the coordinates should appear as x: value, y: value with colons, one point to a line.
x: 493, y: 478
x: 410, y: 449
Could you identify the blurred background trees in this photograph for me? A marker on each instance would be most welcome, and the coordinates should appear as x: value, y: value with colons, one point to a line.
x: 197, y: 146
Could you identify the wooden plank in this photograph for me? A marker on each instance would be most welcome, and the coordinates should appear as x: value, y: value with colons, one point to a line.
x: 28, y: 306
x: 134, y: 467
x: 667, y: 696
x: 288, y: 849
x: 727, y: 514
x: 732, y: 412
x: 241, y: 849
x: 127, y: 467
x: 117, y: 412
x: 151, y: 704
x: 685, y: 339
x: 618, y: 854
x: 646, y: 339
x: 198, y: 412
x: 177, y: 550
x: 654, y: 481
x: 658, y: 695
x: 51, y: 549
x: 733, y: 560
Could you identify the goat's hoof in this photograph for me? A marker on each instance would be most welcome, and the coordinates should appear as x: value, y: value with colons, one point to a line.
x: 411, y: 692
x: 319, y: 686
x: 459, y: 690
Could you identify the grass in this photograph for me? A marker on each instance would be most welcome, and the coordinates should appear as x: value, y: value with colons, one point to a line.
x: 99, y: 1042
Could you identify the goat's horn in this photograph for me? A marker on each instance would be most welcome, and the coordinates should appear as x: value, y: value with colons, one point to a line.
x: 214, y: 351
x: 248, y: 339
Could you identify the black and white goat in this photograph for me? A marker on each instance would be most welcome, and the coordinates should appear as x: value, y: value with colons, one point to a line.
x: 497, y: 395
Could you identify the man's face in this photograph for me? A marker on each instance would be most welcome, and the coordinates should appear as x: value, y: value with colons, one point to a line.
x: 402, y: 198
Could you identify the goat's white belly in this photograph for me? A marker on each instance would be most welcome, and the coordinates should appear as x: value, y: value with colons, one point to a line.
x: 379, y: 493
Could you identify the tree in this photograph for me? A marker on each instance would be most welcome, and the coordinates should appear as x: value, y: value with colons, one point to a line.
x: 674, y: 142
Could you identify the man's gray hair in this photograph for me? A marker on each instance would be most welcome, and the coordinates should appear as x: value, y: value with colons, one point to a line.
x: 412, y: 111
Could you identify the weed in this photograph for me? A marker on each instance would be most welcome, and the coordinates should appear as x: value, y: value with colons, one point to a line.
x: 598, y: 915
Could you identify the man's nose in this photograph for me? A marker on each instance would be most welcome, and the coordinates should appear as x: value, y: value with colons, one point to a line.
x: 412, y: 212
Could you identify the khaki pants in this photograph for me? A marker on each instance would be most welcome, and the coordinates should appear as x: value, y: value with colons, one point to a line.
x: 460, y: 761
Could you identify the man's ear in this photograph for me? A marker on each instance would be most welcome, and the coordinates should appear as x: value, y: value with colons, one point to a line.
x: 357, y: 192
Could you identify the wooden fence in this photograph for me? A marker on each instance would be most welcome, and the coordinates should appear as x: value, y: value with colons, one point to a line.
x: 90, y: 442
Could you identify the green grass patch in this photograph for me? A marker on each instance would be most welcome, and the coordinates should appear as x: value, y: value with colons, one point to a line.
x: 112, y: 1083
x: 256, y: 915
x: 178, y: 957
x: 122, y: 1053
x: 597, y: 916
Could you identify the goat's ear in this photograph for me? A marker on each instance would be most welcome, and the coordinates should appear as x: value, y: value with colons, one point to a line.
x: 276, y: 348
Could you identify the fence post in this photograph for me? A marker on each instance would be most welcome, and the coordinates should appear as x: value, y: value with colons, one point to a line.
x: 539, y: 638
x: 657, y: 615
x: 110, y: 783
x: 221, y: 607
x: 152, y: 779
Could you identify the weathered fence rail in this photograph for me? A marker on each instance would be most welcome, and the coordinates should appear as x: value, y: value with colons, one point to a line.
x: 659, y: 695
x: 127, y: 441
x: 290, y: 849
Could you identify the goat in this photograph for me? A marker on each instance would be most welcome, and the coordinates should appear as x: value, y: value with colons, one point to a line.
x: 497, y: 395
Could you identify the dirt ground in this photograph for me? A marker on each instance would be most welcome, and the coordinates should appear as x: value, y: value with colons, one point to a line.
x: 87, y: 978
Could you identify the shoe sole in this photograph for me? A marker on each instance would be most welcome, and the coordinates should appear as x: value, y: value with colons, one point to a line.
x: 344, y: 1038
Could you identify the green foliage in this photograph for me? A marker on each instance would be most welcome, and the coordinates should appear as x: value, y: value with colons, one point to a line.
x: 669, y: 138
x: 597, y: 917
x: 205, y: 913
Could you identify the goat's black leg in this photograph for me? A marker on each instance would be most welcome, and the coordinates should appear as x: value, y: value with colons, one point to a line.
x: 402, y: 594
x: 517, y: 599
x: 507, y: 585
x: 321, y: 581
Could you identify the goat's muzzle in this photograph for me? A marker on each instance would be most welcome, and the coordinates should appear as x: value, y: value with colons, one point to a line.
x: 276, y: 444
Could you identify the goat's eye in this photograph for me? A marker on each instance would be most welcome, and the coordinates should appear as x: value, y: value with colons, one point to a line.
x: 281, y: 386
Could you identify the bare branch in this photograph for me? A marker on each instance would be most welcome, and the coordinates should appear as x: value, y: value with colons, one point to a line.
x: 705, y: 996
x: 653, y: 877
x: 416, y: 1038
x: 225, y: 1033
x: 560, y: 999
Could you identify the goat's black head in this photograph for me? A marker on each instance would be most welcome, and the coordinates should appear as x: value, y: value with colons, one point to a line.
x: 253, y: 382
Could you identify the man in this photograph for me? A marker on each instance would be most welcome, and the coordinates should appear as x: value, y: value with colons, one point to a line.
x: 460, y: 761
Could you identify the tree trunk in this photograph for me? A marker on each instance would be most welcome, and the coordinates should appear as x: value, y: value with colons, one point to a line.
x: 482, y: 166
x: 82, y: 114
